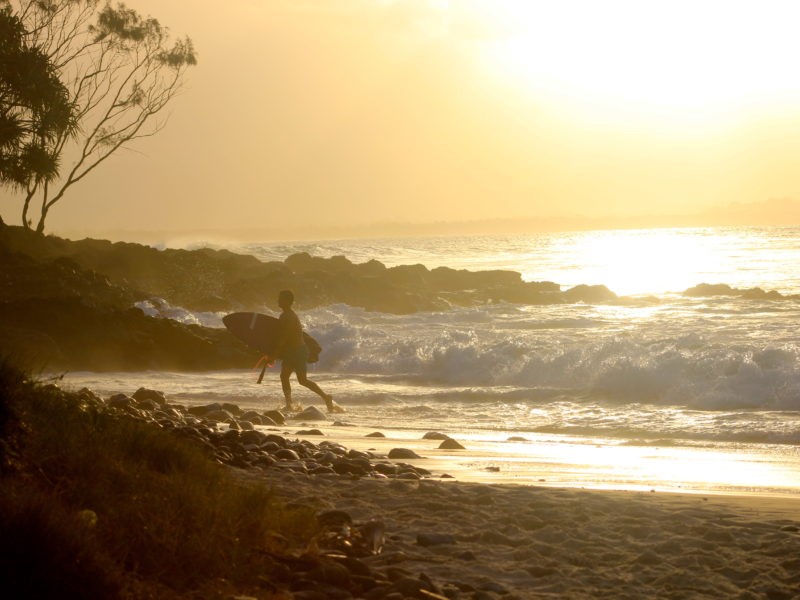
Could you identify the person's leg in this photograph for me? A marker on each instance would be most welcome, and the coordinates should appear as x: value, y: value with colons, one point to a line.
x: 286, y: 373
x: 302, y: 379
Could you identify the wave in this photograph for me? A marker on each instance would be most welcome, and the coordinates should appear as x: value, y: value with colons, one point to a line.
x: 673, y: 354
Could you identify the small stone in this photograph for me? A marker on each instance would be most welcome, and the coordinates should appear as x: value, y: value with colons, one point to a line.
x: 276, y: 416
x: 450, y: 444
x: 310, y: 432
x: 286, y: 454
x: 375, y: 434
x: 312, y: 413
x: 435, y: 435
x: 146, y: 394
x: 403, y: 453
x: 120, y: 401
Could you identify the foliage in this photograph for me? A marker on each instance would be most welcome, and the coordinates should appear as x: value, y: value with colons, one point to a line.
x: 120, y: 71
x: 35, y: 109
x: 101, y: 504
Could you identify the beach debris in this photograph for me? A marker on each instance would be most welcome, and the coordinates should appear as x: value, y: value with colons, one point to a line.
x: 341, y: 533
x: 403, y: 453
x: 450, y: 444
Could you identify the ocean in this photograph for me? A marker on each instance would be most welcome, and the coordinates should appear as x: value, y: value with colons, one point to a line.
x: 658, y: 391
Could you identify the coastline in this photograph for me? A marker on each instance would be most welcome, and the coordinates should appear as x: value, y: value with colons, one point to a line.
x: 480, y: 540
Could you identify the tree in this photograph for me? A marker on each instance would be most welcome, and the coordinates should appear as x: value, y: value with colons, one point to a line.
x: 34, y: 111
x: 120, y: 71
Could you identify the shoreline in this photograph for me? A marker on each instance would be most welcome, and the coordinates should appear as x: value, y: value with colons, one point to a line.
x: 478, y: 540
x: 543, y: 459
x: 434, y: 537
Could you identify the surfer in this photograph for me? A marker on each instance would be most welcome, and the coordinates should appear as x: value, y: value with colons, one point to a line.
x: 294, y: 353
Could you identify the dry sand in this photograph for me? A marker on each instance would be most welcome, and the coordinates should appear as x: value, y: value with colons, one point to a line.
x: 534, y: 542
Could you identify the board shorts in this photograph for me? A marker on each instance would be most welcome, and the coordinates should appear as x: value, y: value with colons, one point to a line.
x: 294, y: 359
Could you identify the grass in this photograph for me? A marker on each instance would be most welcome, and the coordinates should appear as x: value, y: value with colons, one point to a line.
x: 98, y: 505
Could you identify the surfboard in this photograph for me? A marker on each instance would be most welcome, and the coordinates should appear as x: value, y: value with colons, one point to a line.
x: 260, y: 332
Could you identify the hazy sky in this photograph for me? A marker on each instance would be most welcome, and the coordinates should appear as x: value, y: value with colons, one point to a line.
x: 341, y: 112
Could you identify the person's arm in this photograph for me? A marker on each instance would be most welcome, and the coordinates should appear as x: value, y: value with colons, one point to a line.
x: 283, y: 334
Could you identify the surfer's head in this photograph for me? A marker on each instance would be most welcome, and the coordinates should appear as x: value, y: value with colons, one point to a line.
x: 285, y: 299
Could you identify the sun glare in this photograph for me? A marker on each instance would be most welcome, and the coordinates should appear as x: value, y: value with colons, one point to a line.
x: 674, y: 59
x: 646, y: 261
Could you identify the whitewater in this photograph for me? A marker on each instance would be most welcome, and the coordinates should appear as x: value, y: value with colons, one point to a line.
x: 657, y: 390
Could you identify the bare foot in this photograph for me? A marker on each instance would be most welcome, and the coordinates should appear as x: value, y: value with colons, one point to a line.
x: 332, y: 406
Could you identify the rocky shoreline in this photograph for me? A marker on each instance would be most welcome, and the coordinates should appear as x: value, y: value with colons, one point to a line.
x: 391, y: 530
x: 70, y: 305
x: 347, y: 560
x: 229, y: 436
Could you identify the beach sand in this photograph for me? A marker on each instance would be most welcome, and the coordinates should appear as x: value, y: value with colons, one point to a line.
x: 527, y: 541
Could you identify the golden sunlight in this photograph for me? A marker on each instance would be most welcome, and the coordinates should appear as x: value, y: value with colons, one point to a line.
x: 647, y: 261
x: 625, y: 59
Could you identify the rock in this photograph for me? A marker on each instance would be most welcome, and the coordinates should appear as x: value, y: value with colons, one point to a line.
x: 286, y: 454
x: 435, y: 435
x: 386, y: 468
x: 147, y: 404
x: 312, y: 413
x: 246, y: 426
x: 120, y: 401
x: 450, y: 444
x: 275, y: 439
x: 310, y: 432
x: 218, y: 415
x: 275, y: 416
x: 375, y: 434
x: 201, y: 411
x: 147, y: 394
x: 232, y: 408
x: 517, y: 438
x: 589, y: 294
x: 403, y: 453
x: 253, y: 437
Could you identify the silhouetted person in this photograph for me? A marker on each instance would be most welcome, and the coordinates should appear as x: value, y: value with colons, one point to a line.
x: 293, y: 352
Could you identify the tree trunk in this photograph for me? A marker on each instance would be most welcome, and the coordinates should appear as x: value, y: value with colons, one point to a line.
x: 40, y: 226
x: 25, y: 206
